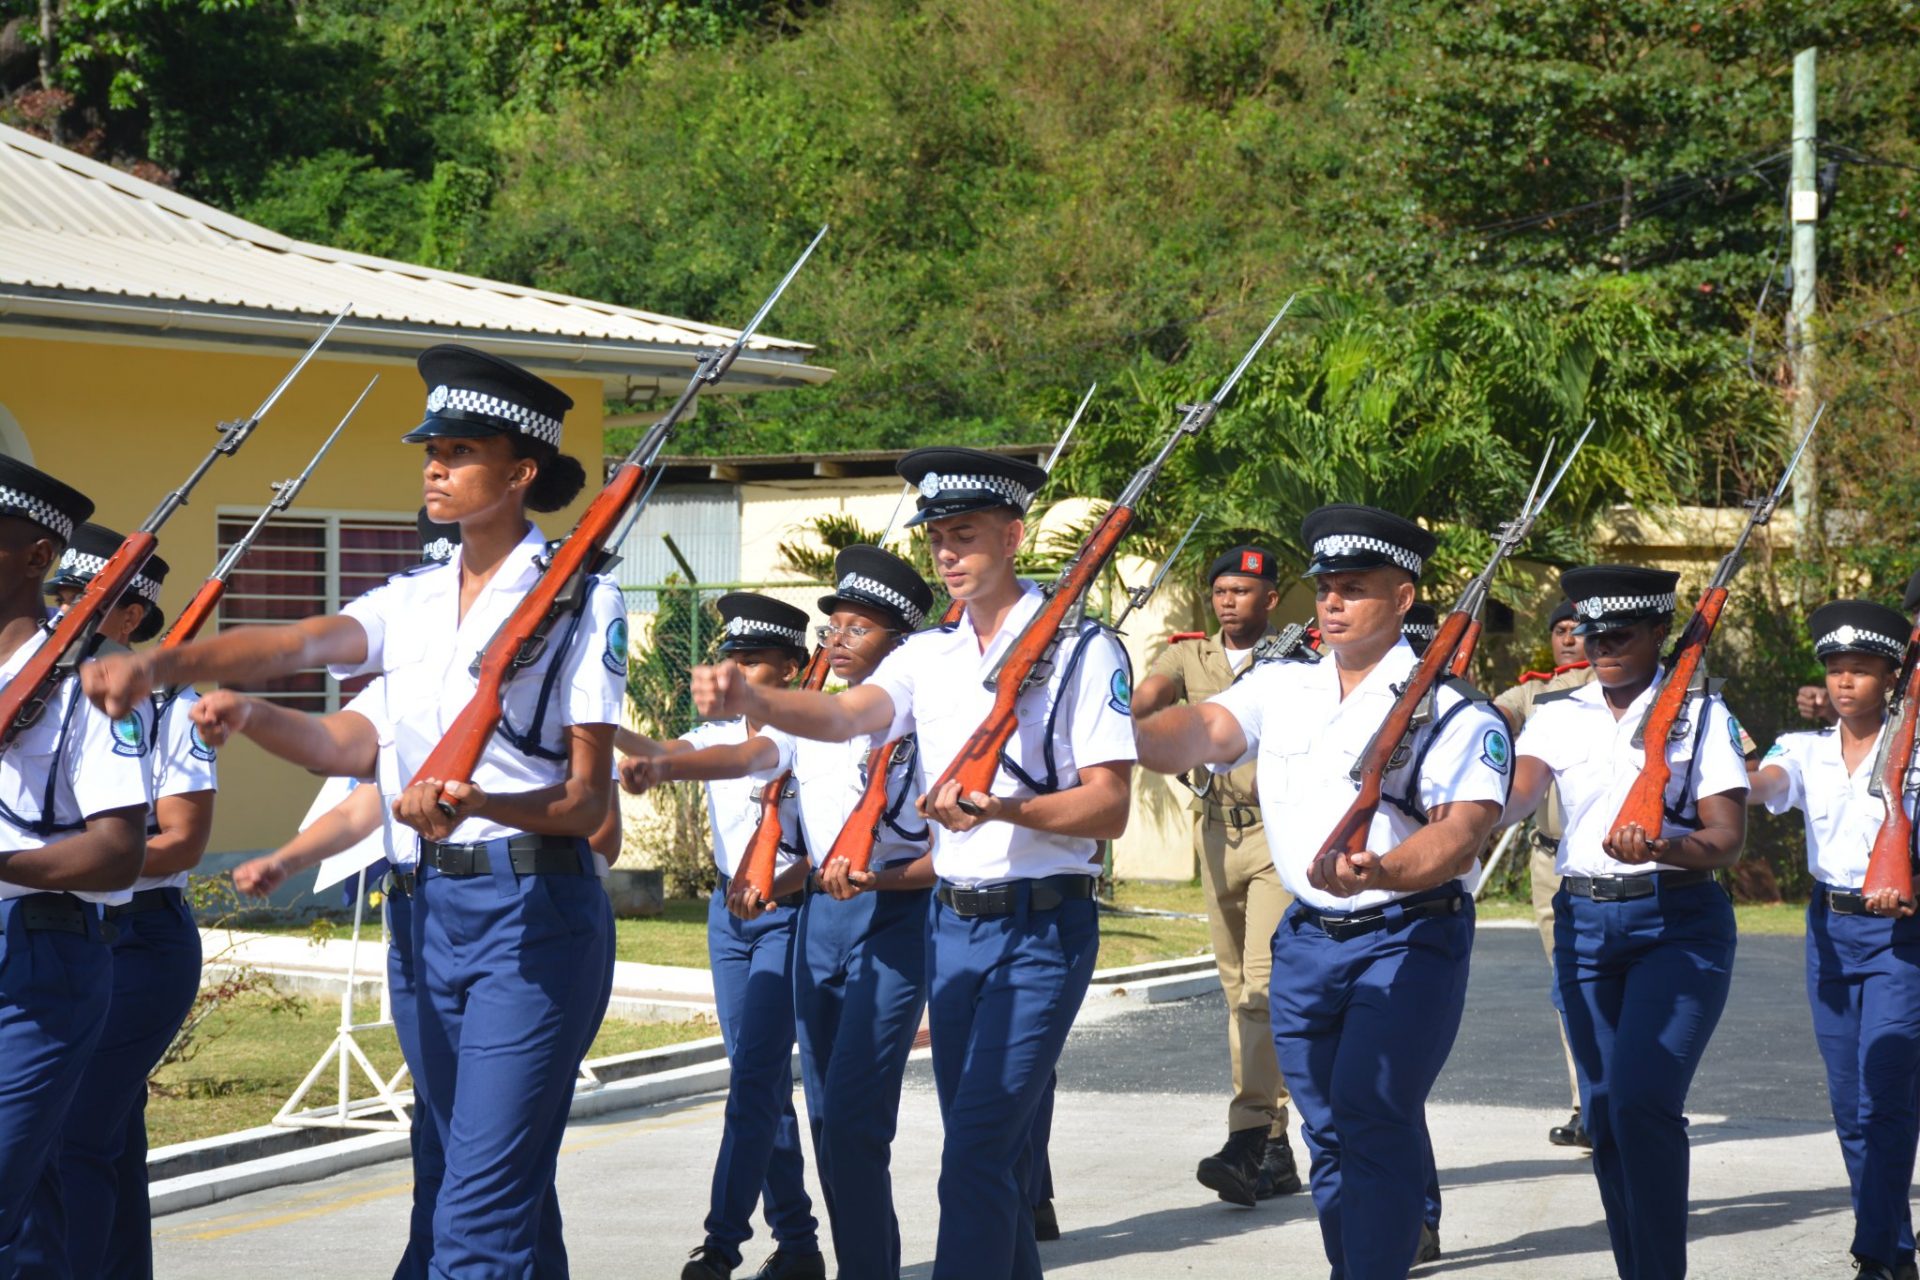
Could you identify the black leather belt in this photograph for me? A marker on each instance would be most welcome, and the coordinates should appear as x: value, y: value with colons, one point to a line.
x: 530, y: 856
x: 59, y: 913
x: 1237, y: 816
x: 146, y: 900
x: 1846, y: 902
x: 402, y: 880
x: 1624, y: 888
x: 1447, y: 900
x: 793, y: 899
x: 1546, y: 844
x: 1004, y: 899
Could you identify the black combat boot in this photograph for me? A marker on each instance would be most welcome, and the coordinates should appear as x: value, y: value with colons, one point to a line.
x: 1046, y: 1223
x: 1235, y: 1172
x: 1571, y: 1134
x: 707, y: 1263
x: 781, y: 1265
x: 1429, y: 1250
x: 1278, y: 1176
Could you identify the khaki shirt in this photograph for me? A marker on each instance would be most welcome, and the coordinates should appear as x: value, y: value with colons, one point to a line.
x: 1517, y: 705
x: 1199, y: 669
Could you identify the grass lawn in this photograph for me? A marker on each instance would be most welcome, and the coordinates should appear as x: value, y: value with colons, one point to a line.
x: 676, y: 937
x: 255, y: 1054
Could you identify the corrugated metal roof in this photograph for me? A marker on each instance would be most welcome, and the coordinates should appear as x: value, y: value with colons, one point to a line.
x: 83, y: 244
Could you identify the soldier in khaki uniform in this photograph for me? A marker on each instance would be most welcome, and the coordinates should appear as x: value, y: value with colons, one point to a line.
x: 1570, y: 672
x: 1244, y: 897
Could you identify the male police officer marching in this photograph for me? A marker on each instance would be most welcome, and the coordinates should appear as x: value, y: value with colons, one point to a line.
x: 1013, y: 931
x: 1376, y: 945
x: 73, y: 814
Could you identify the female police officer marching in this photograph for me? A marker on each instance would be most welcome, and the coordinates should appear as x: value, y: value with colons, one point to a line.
x: 512, y: 931
x: 1643, y: 936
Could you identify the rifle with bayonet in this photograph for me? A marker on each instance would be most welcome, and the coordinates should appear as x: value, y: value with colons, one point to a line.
x: 207, y: 598
x: 1413, y: 706
x: 24, y: 698
x: 1646, y: 801
x: 566, y: 576
x: 1138, y: 597
x: 1890, y: 864
x: 1028, y: 661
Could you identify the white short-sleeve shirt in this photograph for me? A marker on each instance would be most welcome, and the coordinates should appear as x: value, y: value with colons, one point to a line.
x: 1842, y: 814
x: 402, y: 841
x: 733, y: 804
x: 102, y: 766
x: 832, y: 776
x: 416, y: 637
x: 934, y: 680
x: 181, y: 764
x: 1594, y: 764
x: 1305, y: 739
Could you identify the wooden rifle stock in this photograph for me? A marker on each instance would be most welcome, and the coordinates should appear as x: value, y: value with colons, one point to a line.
x: 26, y: 695
x: 1349, y: 835
x: 757, y: 864
x: 1890, y: 865
x: 862, y: 827
x: 195, y: 615
x: 1646, y: 802
x: 1458, y: 667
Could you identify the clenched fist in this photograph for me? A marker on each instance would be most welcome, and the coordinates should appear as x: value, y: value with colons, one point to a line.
x: 118, y: 682
x: 720, y: 692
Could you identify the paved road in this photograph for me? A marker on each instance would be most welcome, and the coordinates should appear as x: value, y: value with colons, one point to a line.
x: 1141, y: 1099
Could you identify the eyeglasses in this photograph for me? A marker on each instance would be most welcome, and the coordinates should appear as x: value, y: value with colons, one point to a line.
x: 827, y: 633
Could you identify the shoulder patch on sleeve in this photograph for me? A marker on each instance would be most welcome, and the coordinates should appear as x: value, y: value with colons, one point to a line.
x: 130, y: 736
x: 1120, y: 691
x: 1496, y: 752
x: 197, y: 745
x: 615, y: 656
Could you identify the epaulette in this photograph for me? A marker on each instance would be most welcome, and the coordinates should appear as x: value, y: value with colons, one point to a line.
x: 1558, y: 695
x: 1181, y: 637
x: 1468, y: 691
x: 1527, y: 677
x: 412, y: 569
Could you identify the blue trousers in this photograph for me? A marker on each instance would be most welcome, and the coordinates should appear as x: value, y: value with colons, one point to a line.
x: 511, y: 983
x: 859, y: 989
x: 1863, y: 979
x: 1004, y: 991
x: 103, y: 1146
x: 54, y: 993
x: 1362, y: 1027
x: 760, y: 1157
x: 1641, y: 984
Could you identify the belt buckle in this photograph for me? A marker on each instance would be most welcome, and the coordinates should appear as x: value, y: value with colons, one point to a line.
x: 963, y: 902
x: 1608, y: 889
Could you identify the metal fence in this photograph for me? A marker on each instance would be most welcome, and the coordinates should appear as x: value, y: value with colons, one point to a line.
x: 675, y: 626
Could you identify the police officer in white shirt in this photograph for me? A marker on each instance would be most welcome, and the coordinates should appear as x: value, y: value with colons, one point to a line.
x: 1863, y: 951
x: 1644, y: 936
x: 514, y: 930
x: 1013, y: 932
x: 156, y: 950
x: 751, y: 950
x: 1376, y: 945
x: 74, y: 793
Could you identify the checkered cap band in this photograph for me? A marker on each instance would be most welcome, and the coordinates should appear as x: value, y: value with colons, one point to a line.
x: 1421, y: 630
x: 933, y: 484
x: 80, y: 564
x: 1609, y: 606
x: 530, y: 421
x: 38, y: 510
x: 860, y: 584
x: 1849, y: 637
x: 1353, y: 544
x: 754, y: 627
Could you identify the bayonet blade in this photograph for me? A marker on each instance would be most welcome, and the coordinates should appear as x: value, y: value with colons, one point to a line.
x: 274, y: 395
x: 285, y: 492
x: 1072, y: 422
x: 753, y: 325
x: 1234, y: 377
x: 1793, y: 463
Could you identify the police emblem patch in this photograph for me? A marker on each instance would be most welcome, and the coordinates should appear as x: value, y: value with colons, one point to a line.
x: 1494, y: 751
x: 436, y: 399
x: 1120, y: 693
x: 197, y: 745
x: 616, y: 655
x: 1252, y: 562
x: 129, y: 736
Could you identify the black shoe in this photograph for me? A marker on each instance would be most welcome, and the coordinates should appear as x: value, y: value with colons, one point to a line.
x: 1278, y: 1177
x: 1046, y: 1223
x: 1571, y: 1134
x: 781, y: 1265
x: 707, y: 1263
x: 1907, y: 1271
x: 1429, y: 1250
x: 1868, y: 1269
x: 1235, y: 1172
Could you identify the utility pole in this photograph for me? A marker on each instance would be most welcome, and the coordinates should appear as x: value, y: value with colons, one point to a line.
x: 1804, y: 212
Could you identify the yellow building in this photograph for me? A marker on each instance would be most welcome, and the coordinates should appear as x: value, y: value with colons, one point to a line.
x: 133, y: 320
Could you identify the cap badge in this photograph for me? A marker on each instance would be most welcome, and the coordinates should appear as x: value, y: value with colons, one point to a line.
x: 1845, y: 634
x: 1251, y: 562
x: 930, y: 486
x: 437, y: 399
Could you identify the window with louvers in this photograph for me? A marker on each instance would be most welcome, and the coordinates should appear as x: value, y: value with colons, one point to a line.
x: 307, y: 564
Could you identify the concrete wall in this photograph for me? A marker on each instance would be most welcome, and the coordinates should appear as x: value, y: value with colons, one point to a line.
x: 126, y: 422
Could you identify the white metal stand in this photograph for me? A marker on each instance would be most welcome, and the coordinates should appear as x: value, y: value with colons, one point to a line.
x: 387, y: 1107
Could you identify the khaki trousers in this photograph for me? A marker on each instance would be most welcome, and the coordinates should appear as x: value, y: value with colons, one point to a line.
x: 1545, y: 884
x: 1244, y: 904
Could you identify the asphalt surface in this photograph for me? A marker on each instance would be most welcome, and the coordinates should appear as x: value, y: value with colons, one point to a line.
x: 1142, y: 1097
